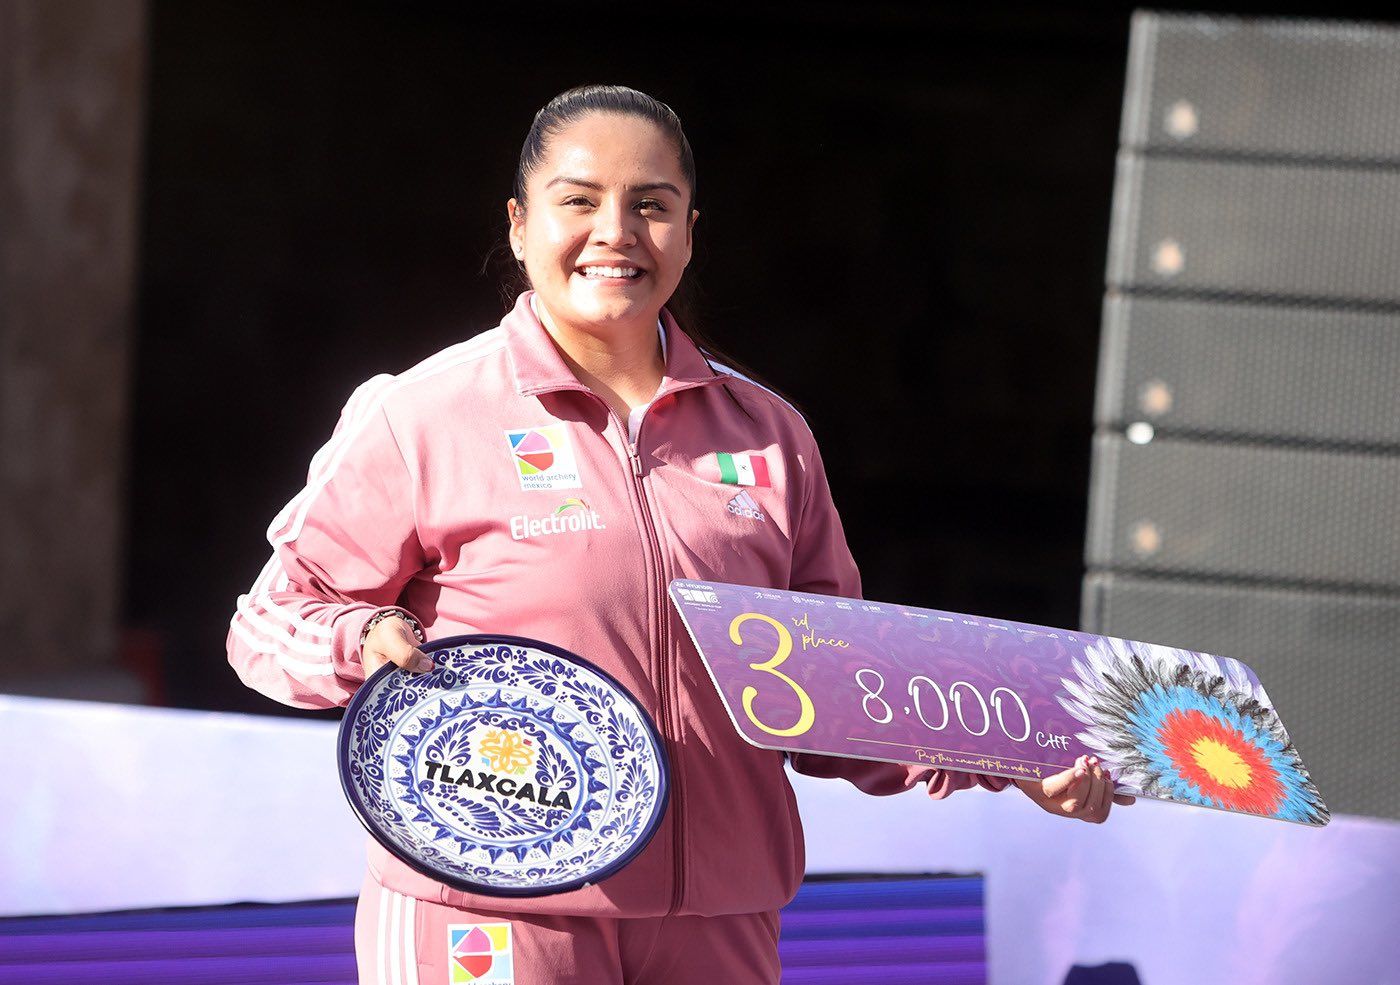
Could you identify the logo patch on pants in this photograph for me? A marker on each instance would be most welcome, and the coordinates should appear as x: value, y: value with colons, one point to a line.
x: 480, y: 952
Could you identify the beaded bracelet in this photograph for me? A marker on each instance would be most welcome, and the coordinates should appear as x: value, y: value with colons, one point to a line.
x: 396, y: 613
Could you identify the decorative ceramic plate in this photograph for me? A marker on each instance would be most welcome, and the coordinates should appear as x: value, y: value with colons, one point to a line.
x: 513, y: 768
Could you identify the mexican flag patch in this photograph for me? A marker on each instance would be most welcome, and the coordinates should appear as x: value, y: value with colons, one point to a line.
x: 748, y: 469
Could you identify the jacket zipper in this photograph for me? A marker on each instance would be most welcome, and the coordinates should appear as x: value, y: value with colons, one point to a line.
x: 667, y: 712
x: 669, y: 717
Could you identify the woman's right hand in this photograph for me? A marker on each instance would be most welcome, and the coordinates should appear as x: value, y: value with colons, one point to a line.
x: 392, y: 641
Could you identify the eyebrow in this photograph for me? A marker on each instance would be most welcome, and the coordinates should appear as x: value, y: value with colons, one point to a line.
x: 649, y: 186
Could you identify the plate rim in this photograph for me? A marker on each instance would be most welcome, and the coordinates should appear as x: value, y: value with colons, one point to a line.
x: 358, y: 699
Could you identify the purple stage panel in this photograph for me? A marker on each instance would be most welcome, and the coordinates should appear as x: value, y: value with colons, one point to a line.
x: 874, y: 930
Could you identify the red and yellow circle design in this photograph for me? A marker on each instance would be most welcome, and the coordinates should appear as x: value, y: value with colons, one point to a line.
x: 1220, y: 762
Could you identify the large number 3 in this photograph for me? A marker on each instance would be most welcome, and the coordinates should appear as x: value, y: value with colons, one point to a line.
x: 809, y: 713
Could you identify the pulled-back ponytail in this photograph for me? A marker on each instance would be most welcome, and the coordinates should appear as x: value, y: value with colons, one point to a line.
x: 568, y: 108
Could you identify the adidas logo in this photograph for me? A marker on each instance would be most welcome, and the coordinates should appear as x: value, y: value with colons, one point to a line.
x: 744, y: 505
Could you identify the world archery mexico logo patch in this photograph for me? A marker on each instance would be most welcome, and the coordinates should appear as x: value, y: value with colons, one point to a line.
x: 544, y: 458
x: 480, y: 952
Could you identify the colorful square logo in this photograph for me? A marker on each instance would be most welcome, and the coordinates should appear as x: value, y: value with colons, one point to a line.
x: 480, y: 953
x: 544, y: 457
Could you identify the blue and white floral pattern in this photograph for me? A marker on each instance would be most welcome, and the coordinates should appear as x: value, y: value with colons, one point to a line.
x: 585, y: 791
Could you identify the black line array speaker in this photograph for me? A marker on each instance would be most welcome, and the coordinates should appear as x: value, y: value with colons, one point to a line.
x: 1245, y: 493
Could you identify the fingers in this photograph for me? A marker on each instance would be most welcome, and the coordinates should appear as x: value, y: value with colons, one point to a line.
x: 1111, y: 796
x: 1061, y: 785
x: 1076, y: 796
x: 1078, y: 799
x: 393, y: 641
x: 1090, y: 796
x: 1100, y: 799
x: 1084, y: 791
x: 405, y: 652
x: 411, y: 659
x: 1099, y: 809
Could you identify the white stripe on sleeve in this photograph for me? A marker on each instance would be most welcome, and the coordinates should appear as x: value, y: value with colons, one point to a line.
x: 380, y: 951
x: 410, y: 941
x: 366, y: 401
x: 395, y: 936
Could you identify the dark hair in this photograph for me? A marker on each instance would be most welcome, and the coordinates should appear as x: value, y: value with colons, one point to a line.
x: 568, y: 108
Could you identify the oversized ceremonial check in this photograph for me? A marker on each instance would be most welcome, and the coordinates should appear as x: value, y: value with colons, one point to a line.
x: 874, y: 680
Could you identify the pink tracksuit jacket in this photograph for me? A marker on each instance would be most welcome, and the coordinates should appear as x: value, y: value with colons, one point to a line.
x: 486, y: 490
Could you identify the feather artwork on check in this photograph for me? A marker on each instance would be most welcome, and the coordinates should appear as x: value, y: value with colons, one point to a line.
x: 1190, y: 727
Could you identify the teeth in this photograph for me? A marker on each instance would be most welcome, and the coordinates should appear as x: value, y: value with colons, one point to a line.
x: 611, y: 272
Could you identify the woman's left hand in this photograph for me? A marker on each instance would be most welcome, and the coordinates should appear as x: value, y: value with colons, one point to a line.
x: 1084, y: 791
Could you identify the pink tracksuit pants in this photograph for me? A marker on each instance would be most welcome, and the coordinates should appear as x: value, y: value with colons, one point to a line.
x: 400, y: 940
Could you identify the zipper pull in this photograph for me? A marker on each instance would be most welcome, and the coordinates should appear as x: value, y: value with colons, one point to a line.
x: 636, y: 460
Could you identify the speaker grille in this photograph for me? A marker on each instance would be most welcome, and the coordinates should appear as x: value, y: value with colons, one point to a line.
x: 1243, y: 511
x: 1273, y: 373
x: 1246, y: 469
x: 1235, y: 227
x: 1225, y: 86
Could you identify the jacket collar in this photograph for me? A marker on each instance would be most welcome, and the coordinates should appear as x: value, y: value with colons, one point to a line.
x: 539, y: 367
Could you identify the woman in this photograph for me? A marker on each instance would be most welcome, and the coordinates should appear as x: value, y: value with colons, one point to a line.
x: 422, y: 519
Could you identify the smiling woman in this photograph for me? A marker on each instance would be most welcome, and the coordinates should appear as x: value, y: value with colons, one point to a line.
x: 588, y: 450
x: 602, y: 223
